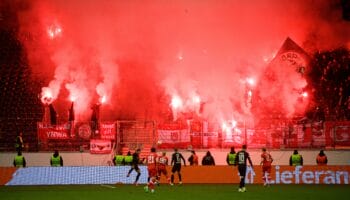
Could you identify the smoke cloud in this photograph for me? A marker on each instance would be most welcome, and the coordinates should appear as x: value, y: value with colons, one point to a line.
x: 138, y: 55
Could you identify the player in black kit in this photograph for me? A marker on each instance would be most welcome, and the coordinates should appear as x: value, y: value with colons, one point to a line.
x: 135, y: 165
x: 176, y: 162
x: 241, y: 160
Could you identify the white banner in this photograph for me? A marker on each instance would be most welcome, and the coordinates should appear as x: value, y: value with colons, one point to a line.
x: 174, y: 136
x: 100, y: 146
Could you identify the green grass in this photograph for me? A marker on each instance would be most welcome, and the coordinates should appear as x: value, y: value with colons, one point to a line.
x: 166, y: 192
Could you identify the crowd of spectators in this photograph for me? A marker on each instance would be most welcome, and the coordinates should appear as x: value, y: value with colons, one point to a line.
x: 329, y: 78
x: 20, y: 107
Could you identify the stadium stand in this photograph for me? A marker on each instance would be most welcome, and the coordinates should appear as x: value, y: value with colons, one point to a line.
x: 330, y: 78
x: 20, y: 107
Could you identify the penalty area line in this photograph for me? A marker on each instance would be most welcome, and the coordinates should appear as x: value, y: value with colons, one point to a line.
x: 107, y: 186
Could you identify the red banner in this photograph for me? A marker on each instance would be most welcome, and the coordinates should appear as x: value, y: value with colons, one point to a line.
x: 205, y: 135
x: 107, y: 130
x: 256, y: 138
x: 337, y: 133
x: 57, y: 132
x: 100, y: 146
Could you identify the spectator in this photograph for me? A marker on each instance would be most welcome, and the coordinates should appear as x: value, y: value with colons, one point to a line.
x: 231, y: 157
x: 193, y: 159
x: 56, y: 160
x: 208, y: 159
x: 296, y: 159
x: 19, y: 160
x: 329, y: 77
x: 19, y: 142
x: 321, y: 158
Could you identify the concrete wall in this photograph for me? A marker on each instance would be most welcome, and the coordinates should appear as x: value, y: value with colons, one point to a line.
x: 69, y: 159
x: 340, y: 157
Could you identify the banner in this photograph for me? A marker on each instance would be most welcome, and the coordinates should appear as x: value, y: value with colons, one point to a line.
x: 6, y: 174
x: 83, y: 130
x: 256, y: 138
x: 77, y: 175
x: 194, y: 174
x: 210, y: 139
x: 107, y: 130
x: 173, y: 135
x: 100, y: 146
x: 54, y: 132
x: 279, y: 174
x: 342, y: 135
x: 337, y: 133
x: 318, y: 134
x: 305, y: 175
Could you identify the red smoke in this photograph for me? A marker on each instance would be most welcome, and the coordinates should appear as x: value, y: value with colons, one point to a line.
x: 139, y: 55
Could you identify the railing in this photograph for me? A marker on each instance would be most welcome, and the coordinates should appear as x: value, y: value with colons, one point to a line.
x: 136, y: 134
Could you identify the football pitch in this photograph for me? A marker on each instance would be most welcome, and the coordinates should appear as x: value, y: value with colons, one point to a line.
x: 176, y: 192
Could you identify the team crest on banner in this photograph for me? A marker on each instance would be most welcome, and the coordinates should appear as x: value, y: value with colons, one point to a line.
x: 293, y: 55
x: 294, y: 59
x: 342, y: 134
x: 174, y: 135
x: 84, y: 130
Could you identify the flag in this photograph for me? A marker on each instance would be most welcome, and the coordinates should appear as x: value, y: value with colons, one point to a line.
x: 53, y: 115
x: 95, y: 113
x: 291, y: 54
x: 71, y: 116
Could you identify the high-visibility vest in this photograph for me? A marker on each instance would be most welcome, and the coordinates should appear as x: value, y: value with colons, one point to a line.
x: 128, y: 160
x: 19, y: 161
x: 119, y: 159
x: 296, y: 159
x: 56, y: 161
x: 231, y: 158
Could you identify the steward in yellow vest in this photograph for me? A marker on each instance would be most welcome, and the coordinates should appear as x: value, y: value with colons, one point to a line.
x: 231, y: 157
x: 118, y: 160
x: 19, y: 160
x: 56, y: 160
x: 128, y: 158
x: 296, y: 159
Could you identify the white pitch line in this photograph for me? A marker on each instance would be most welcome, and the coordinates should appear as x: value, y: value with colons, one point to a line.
x: 108, y: 186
